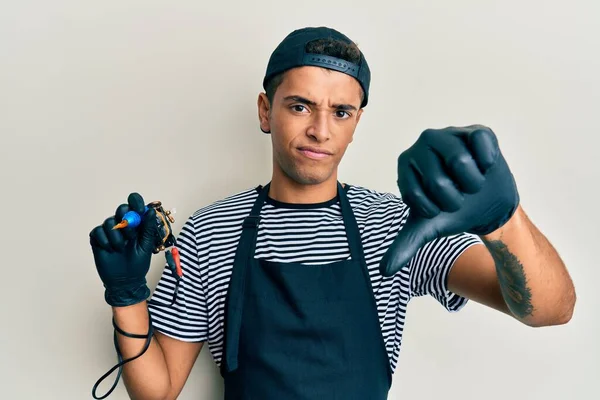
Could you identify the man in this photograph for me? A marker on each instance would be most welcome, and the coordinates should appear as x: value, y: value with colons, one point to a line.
x: 300, y: 286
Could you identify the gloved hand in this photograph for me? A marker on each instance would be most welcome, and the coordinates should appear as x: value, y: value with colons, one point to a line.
x: 122, y: 256
x: 453, y: 180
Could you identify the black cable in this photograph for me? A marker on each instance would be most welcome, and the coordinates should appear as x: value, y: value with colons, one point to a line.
x: 122, y: 362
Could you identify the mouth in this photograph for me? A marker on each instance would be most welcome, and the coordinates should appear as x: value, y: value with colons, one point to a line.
x: 314, y: 153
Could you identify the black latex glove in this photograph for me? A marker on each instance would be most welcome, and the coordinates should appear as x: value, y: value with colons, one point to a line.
x: 123, y: 256
x: 453, y: 180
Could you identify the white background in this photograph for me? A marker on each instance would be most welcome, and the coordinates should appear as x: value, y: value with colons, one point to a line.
x: 98, y: 99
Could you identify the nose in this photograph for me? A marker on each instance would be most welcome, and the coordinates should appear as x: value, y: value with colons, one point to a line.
x: 319, y: 127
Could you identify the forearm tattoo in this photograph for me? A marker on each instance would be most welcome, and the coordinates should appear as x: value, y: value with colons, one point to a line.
x: 512, y: 279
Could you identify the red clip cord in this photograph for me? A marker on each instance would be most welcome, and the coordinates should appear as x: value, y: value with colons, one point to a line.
x: 175, y: 253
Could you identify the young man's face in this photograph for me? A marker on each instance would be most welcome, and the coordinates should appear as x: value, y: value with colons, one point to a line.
x: 312, y: 121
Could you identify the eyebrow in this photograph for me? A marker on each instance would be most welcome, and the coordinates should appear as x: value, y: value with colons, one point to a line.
x: 300, y: 99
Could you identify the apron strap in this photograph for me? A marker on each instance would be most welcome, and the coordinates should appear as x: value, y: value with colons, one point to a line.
x: 237, y: 284
x: 352, y: 231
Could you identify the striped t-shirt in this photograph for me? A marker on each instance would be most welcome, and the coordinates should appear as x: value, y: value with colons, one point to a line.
x: 299, y: 233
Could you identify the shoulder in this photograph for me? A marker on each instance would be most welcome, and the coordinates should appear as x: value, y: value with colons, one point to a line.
x: 229, y: 207
x: 363, y: 198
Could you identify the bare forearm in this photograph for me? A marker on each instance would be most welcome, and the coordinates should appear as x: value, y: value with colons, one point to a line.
x: 534, y: 281
x: 147, y: 377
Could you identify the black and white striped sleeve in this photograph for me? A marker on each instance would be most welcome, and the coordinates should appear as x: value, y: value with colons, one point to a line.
x: 430, y: 267
x: 185, y: 320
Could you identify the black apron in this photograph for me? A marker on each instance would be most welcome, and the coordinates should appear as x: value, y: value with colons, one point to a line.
x: 302, y: 332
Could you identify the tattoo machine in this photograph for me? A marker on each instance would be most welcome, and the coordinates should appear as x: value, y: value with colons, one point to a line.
x: 166, y: 239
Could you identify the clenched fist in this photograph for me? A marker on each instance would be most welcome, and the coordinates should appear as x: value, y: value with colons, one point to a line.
x: 123, y: 256
x: 453, y: 180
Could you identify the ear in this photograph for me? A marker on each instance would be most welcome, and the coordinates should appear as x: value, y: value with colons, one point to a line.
x: 264, y: 107
x: 359, y: 114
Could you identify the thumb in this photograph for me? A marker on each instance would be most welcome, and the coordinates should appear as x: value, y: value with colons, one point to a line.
x: 415, y: 233
x: 148, y: 231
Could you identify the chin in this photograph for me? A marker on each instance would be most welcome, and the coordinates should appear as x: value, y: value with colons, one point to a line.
x: 309, y: 180
x: 304, y: 173
x: 308, y: 177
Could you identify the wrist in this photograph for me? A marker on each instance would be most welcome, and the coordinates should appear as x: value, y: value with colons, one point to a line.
x: 133, y: 318
x: 134, y: 310
x: 125, y: 296
x: 514, y: 223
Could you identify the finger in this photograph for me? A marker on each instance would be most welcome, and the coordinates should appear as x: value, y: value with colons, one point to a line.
x: 121, y: 211
x: 98, y: 239
x: 128, y: 232
x: 413, y: 195
x: 484, y: 147
x: 149, y: 231
x: 458, y: 161
x: 136, y: 203
x: 415, y: 233
x: 115, y: 237
x: 437, y: 185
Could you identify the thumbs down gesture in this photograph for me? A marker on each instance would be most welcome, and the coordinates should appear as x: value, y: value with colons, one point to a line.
x: 453, y: 180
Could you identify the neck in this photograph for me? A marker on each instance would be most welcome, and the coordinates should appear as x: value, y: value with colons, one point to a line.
x: 286, y: 190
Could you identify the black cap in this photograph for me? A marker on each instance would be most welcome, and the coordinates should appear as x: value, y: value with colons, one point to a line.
x: 291, y: 53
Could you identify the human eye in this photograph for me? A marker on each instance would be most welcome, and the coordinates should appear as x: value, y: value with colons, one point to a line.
x: 342, y: 114
x: 298, y: 108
